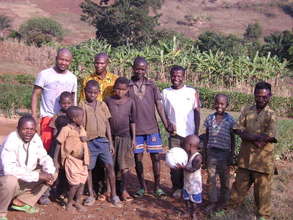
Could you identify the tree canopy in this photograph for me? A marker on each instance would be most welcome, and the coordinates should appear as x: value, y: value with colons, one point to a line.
x: 124, y: 22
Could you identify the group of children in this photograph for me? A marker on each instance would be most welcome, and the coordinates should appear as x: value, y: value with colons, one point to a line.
x: 116, y: 131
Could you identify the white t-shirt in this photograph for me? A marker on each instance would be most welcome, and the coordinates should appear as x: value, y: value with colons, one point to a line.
x: 179, y: 106
x: 53, y: 84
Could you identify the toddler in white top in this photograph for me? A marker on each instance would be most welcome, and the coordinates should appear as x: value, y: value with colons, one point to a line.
x: 192, y: 189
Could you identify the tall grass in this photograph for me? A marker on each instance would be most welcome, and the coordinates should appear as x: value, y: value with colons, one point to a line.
x: 17, y: 52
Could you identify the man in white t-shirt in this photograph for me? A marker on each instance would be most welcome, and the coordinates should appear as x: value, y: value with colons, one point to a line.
x: 181, y: 104
x: 50, y: 83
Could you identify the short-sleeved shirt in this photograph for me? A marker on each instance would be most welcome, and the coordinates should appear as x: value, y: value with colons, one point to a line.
x: 145, y: 99
x: 95, y: 119
x: 106, y: 85
x: 71, y: 144
x: 251, y: 157
x: 122, y: 115
x: 53, y: 84
x: 219, y: 133
x: 179, y: 105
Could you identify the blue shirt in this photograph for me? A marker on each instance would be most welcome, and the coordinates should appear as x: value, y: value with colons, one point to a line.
x: 219, y: 133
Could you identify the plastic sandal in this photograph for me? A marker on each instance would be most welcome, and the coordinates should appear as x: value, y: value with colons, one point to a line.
x: 89, y: 201
x: 160, y: 193
x: 26, y: 208
x: 139, y: 193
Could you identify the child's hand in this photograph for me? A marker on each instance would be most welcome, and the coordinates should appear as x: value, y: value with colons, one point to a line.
x: 179, y: 166
x: 112, y: 150
x: 83, y: 139
x: 171, y: 128
x: 133, y: 144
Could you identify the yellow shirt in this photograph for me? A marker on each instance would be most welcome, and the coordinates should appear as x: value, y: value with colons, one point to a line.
x: 106, y: 85
x: 260, y: 159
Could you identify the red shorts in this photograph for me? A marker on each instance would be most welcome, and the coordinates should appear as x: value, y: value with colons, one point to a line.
x: 46, y: 132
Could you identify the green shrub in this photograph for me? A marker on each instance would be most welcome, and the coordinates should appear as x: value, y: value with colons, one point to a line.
x: 124, y: 22
x: 40, y: 31
x: 253, y: 32
x: 14, y: 97
x: 5, y: 22
x: 285, y: 139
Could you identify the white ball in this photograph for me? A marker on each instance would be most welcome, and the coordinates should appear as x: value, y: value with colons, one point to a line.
x: 176, y: 156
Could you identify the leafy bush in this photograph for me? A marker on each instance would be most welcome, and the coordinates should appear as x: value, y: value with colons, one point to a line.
x: 285, y: 138
x: 278, y: 44
x: 212, y: 41
x: 15, y: 92
x: 124, y: 22
x: 41, y: 30
x: 253, y: 32
x: 287, y: 8
x: 5, y: 22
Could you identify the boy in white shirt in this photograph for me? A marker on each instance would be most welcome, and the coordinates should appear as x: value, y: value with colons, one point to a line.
x: 181, y: 104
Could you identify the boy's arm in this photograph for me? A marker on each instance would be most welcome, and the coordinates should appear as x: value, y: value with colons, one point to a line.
x: 205, y: 148
x: 109, y: 136
x: 232, y: 147
x: 196, y: 114
x: 161, y: 111
x: 56, y: 156
x: 196, y: 164
x: 133, y: 135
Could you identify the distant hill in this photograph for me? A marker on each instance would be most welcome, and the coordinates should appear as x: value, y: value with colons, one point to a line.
x: 191, y: 17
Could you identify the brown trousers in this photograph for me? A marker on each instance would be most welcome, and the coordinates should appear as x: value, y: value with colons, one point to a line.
x: 262, y: 190
x: 11, y: 187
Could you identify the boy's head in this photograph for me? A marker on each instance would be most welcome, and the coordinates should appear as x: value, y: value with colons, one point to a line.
x: 191, y: 144
x: 101, y: 62
x: 91, y: 90
x: 26, y: 128
x: 221, y: 103
x: 121, y: 87
x: 262, y: 94
x: 65, y: 100
x: 75, y: 114
x: 139, y: 67
x: 177, y: 74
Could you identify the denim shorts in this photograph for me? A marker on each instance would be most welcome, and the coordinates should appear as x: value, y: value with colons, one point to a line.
x: 99, y: 149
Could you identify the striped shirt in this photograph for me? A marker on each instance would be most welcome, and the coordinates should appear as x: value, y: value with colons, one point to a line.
x: 219, y: 133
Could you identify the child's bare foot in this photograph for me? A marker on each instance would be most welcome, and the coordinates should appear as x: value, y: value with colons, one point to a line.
x: 126, y: 197
x: 80, y: 207
x: 70, y: 207
x: 194, y: 217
